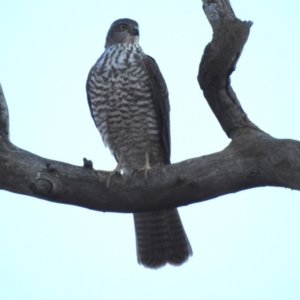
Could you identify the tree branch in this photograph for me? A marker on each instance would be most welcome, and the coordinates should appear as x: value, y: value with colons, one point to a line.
x: 252, y: 159
x: 4, y: 119
x: 249, y: 161
x: 219, y: 61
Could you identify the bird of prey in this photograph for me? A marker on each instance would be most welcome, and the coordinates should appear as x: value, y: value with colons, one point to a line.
x: 128, y: 99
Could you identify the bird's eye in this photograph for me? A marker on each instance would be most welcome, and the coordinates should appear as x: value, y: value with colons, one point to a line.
x: 123, y: 27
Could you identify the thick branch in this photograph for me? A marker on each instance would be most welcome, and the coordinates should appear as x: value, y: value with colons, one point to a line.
x: 218, y: 62
x: 4, y: 120
x: 249, y: 161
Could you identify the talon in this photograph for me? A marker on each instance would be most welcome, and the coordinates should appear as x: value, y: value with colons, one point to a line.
x: 116, y: 170
x: 146, y: 168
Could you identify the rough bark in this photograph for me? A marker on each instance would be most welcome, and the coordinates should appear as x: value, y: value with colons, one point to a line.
x: 252, y: 159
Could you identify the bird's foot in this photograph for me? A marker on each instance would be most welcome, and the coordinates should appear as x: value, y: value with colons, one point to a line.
x: 144, y: 169
x: 116, y: 170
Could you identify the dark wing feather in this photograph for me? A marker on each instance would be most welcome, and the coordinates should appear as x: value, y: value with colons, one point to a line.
x: 87, y: 90
x: 161, y: 101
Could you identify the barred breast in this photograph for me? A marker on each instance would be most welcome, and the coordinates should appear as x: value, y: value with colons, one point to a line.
x: 122, y: 106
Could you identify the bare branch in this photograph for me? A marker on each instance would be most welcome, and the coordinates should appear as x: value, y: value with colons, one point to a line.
x: 218, y: 62
x: 249, y: 161
x: 4, y: 119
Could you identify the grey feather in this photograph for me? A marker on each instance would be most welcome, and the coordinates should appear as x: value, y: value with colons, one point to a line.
x: 161, y: 239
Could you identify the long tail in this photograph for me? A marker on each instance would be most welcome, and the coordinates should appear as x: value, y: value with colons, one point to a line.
x: 161, y: 239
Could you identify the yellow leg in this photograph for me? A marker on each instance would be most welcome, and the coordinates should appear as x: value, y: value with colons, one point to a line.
x: 147, y: 167
x: 116, y: 170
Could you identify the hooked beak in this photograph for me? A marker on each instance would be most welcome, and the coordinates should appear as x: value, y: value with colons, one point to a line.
x: 134, y: 31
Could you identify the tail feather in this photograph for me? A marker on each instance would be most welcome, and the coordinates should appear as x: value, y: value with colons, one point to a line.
x: 161, y: 239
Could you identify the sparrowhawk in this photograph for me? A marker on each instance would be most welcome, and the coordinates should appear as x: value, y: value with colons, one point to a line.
x: 128, y: 99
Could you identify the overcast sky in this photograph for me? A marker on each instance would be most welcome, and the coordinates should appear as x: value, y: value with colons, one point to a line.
x: 246, y: 245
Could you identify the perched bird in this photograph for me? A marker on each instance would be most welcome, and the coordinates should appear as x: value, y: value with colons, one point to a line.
x: 128, y: 99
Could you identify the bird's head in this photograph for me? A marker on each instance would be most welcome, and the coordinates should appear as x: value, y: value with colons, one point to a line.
x: 122, y: 31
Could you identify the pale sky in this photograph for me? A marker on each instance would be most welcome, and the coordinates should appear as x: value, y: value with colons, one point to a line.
x: 246, y: 245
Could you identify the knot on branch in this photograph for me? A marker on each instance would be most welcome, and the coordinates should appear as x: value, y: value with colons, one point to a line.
x: 48, y: 181
x: 87, y: 163
x: 41, y: 186
x: 49, y: 167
